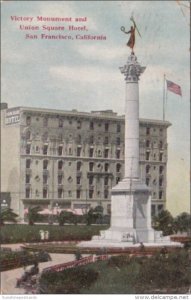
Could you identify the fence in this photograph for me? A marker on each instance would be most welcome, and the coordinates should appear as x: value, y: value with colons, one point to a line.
x: 76, y: 263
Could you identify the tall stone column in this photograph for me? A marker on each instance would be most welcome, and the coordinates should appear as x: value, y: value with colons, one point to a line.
x: 132, y: 71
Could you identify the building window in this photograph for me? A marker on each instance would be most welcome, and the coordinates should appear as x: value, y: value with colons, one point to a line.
x: 45, y: 136
x: 60, y: 123
x: 91, y: 125
x: 161, y: 168
x: 45, y: 149
x: 60, y: 165
x: 91, y: 193
x: 160, y: 182
x: 28, y: 164
x: 60, y: 178
x: 28, y: 120
x: 160, y: 156
x: 106, y: 180
x: 37, y: 149
x: 160, y: 145
x: 79, y: 139
x: 78, y: 194
x: 28, y: 148
x: 118, y: 128
x: 160, y: 194
x: 147, y: 143
x: 106, y: 194
x: 106, y: 167
x: 27, y: 193
x: 91, y: 139
x: 45, y: 164
x: 28, y: 135
x: 60, y: 148
x: 69, y: 193
x: 79, y: 124
x: 70, y: 151
x: 99, y: 153
x: 27, y: 178
x: 45, y: 122
x: 91, y: 166
x: 45, y: 179
x: 148, y: 130
x: 70, y: 179
x: 118, y: 141
x: 79, y: 164
x: 79, y: 151
x: 118, y: 154
x: 78, y: 180
x: 91, y: 152
x: 147, y: 181
x: 147, y: 155
x: 106, y: 153
x: 147, y: 169
x: 106, y: 127
x: 60, y: 193
x: 45, y: 193
x: 118, y: 168
x: 91, y: 180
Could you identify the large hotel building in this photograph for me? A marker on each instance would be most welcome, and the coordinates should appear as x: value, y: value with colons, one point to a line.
x: 71, y: 159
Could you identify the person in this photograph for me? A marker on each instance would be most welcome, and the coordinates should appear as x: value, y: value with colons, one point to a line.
x: 142, y: 247
x: 34, y: 270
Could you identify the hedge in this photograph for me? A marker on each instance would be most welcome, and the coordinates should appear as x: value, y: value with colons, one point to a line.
x: 22, y: 233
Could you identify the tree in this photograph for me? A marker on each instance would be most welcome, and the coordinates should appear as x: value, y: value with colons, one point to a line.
x: 33, y: 214
x: 183, y: 222
x: 94, y: 214
x: 65, y: 217
x: 165, y: 222
x: 7, y: 215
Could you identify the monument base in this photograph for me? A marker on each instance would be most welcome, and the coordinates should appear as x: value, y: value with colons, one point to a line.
x: 130, y: 219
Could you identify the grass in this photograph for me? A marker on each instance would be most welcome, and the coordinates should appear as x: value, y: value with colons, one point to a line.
x: 23, y: 233
x: 127, y: 275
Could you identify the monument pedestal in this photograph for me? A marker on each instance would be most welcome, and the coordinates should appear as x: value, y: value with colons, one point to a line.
x: 130, y: 219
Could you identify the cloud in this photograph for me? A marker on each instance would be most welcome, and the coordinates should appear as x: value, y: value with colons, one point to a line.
x: 101, y: 52
x: 84, y: 74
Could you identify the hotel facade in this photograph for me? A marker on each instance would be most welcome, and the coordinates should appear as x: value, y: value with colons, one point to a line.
x: 71, y: 160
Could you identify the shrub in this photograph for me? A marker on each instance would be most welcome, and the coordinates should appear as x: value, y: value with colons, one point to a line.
x: 69, y: 281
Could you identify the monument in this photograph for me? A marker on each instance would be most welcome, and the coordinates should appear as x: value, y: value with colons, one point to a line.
x: 130, y: 198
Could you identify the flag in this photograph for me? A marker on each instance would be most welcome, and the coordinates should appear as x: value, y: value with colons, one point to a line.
x: 173, y: 87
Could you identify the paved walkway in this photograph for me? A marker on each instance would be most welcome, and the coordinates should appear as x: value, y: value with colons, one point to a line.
x: 9, y: 278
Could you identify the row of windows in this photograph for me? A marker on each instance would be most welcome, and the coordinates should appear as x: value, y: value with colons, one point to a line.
x: 61, y: 193
x: 148, y: 156
x: 79, y: 124
x: 105, y: 152
x: 92, y: 165
x: 148, y: 168
x: 78, y: 140
x: 148, y: 144
x: 148, y: 181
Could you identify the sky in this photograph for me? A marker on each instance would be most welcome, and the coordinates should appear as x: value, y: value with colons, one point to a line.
x: 84, y: 74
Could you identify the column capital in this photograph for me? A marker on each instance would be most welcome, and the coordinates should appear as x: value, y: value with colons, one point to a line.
x: 132, y: 69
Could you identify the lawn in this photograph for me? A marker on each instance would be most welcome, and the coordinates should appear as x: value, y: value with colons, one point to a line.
x: 22, y: 233
x: 124, y: 275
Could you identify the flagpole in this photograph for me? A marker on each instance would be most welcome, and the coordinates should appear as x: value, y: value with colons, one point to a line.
x: 164, y: 96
